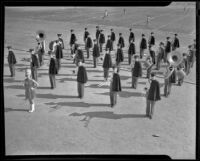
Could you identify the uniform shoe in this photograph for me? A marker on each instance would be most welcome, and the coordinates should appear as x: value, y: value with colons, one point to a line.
x: 32, y: 108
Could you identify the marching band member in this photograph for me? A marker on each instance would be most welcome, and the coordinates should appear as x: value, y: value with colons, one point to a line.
x: 175, y: 43
x: 143, y: 46
x: 151, y: 40
x: 112, y: 38
x: 11, y: 61
x: 180, y: 74
x: 152, y: 54
x: 53, y: 70
x: 59, y: 54
x: 148, y: 64
x: 109, y: 44
x: 119, y: 57
x: 131, y: 51
x: 101, y: 40
x: 97, y: 34
x: 136, y: 71
x: 85, y: 36
x: 121, y: 41
x: 34, y: 64
x: 96, y: 53
x: 191, y: 56
x: 131, y: 36
x: 72, y: 41
x: 186, y: 63
x: 107, y: 63
x: 81, y: 79
x: 30, y: 86
x: 61, y: 40
x: 167, y: 49
x: 40, y: 50
x: 115, y: 87
x: 152, y: 95
x: 79, y: 57
x: 160, y: 55
x: 88, y: 45
x: 168, y: 80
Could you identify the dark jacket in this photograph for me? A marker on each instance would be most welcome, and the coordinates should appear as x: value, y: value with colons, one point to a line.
x: 62, y: 45
x: 131, y: 49
x: 59, y: 52
x: 137, y: 69
x: 89, y: 42
x: 153, y: 56
x: 109, y: 44
x: 35, y: 61
x: 82, y: 75
x: 119, y: 56
x: 168, y: 47
x: 151, y: 40
x: 173, y: 77
x: 96, y: 52
x: 175, y: 43
x: 85, y: 35
x: 143, y: 43
x: 72, y: 39
x: 53, y: 66
x: 121, y: 42
x: 97, y: 34
x: 11, y: 58
x: 112, y: 37
x: 131, y: 36
x: 80, y: 56
x: 154, y: 91
x: 116, y: 83
x: 101, y: 38
x: 160, y: 54
x: 107, y: 63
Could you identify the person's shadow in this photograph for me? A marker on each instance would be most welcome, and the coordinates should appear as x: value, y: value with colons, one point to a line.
x: 106, y: 115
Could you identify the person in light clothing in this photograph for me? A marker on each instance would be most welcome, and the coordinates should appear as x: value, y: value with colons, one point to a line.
x: 30, y: 85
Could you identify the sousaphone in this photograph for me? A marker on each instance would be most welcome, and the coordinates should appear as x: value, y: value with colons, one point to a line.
x: 175, y: 58
x: 40, y: 35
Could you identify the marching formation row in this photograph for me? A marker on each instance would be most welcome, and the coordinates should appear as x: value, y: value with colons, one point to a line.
x: 177, y: 64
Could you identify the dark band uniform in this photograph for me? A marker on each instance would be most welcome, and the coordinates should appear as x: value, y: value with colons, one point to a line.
x: 131, y: 52
x: 121, y: 42
x: 143, y: 46
x: 107, y: 63
x: 96, y: 54
x: 136, y: 73
x: 81, y: 80
x: 11, y: 62
x: 101, y: 41
x: 119, y: 58
x: 59, y: 55
x: 79, y: 57
x: 131, y: 37
x: 175, y: 43
x: 109, y: 45
x: 53, y: 70
x: 115, y: 86
x: 112, y: 37
x: 88, y: 45
x: 34, y: 66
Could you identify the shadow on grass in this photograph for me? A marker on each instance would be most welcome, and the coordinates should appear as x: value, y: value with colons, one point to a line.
x: 104, y: 115
x: 12, y: 109
x: 74, y: 104
x: 15, y: 87
x: 125, y: 94
x: 12, y: 80
x: 49, y: 96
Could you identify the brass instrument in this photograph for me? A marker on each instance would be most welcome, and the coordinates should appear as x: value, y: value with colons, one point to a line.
x: 175, y: 58
x: 40, y: 36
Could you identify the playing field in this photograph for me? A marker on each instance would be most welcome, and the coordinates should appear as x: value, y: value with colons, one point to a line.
x: 65, y: 124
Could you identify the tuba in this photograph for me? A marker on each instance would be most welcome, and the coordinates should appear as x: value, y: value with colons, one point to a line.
x: 40, y: 35
x: 175, y: 58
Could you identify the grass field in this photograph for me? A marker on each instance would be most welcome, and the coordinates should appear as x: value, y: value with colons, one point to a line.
x: 64, y: 124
